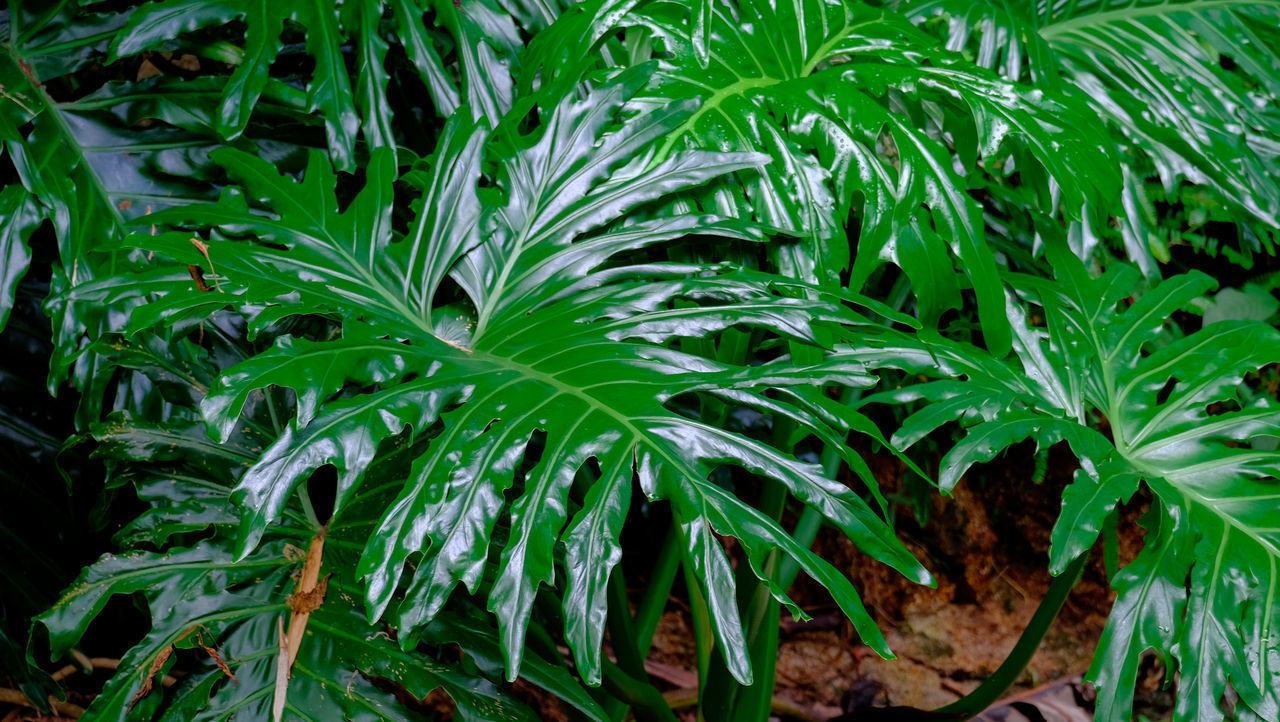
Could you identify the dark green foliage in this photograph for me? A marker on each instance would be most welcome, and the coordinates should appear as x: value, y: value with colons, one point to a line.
x: 471, y: 288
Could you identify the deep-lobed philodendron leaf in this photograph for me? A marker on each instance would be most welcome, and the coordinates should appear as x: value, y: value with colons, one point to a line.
x: 1201, y: 593
x: 86, y: 166
x: 511, y: 327
x: 219, y: 617
x: 1154, y: 71
x: 227, y: 611
x: 486, y: 37
x: 446, y: 316
x: 820, y: 104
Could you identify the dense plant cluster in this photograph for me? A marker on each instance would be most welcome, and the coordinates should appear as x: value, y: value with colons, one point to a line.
x: 396, y: 315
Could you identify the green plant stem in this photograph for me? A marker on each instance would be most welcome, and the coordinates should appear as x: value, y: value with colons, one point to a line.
x: 780, y: 706
x: 307, y: 508
x: 810, y: 521
x: 763, y: 612
x: 622, y: 634
x: 755, y: 702
x: 622, y: 631
x: 805, y: 533
x: 647, y: 703
x: 703, y: 635
x: 651, y: 606
x: 998, y: 683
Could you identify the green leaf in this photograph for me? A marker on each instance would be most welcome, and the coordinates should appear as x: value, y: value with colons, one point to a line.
x: 371, y: 78
x: 592, y: 550
x: 88, y: 166
x: 292, y: 363
x: 153, y: 25
x: 1150, y: 605
x: 1252, y: 303
x: 1215, y: 490
x: 262, y: 44
x: 189, y: 596
x: 1092, y: 495
x: 59, y: 39
x: 227, y: 611
x: 1154, y: 71
x: 818, y: 103
x: 22, y: 217
x: 561, y: 358
x: 330, y: 88
x: 418, y: 45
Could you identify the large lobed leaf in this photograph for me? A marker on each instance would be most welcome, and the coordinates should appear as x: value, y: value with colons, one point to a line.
x: 828, y: 90
x: 550, y: 355
x: 225, y: 612
x: 1190, y: 87
x: 1201, y: 592
x: 351, y: 106
x: 203, y: 598
x: 88, y: 165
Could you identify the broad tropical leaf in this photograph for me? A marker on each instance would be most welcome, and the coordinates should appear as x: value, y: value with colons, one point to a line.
x: 202, y: 598
x: 825, y: 87
x: 1190, y: 88
x: 1178, y: 422
x: 541, y: 350
x: 88, y: 165
x: 227, y: 611
x: 485, y: 37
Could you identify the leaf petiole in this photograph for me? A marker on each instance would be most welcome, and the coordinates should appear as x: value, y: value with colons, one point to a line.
x: 999, y: 682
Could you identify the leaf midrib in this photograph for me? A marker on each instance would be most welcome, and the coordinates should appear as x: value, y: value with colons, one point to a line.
x: 1191, y: 496
x: 744, y: 84
x: 1069, y: 25
x: 53, y: 109
x: 713, y: 103
x: 86, y: 587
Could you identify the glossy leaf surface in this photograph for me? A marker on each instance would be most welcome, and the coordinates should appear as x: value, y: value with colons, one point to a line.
x: 1213, y: 514
x: 219, y: 614
x: 551, y: 343
x: 1189, y: 87
x: 819, y: 86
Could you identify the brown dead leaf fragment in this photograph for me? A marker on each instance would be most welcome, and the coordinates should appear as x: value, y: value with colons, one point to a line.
x: 204, y: 251
x: 216, y: 656
x: 281, y: 694
x: 146, y: 70
x: 197, y: 275
x: 164, y: 655
x: 190, y: 63
x: 156, y: 664
x: 307, y: 597
x: 307, y: 602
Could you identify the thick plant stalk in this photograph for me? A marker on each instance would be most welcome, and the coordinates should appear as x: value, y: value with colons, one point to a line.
x: 649, y: 611
x: 994, y: 687
x: 763, y: 613
x: 308, y: 596
x: 756, y: 701
x: 306, y: 599
x: 647, y: 703
x: 16, y: 697
x: 703, y: 635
